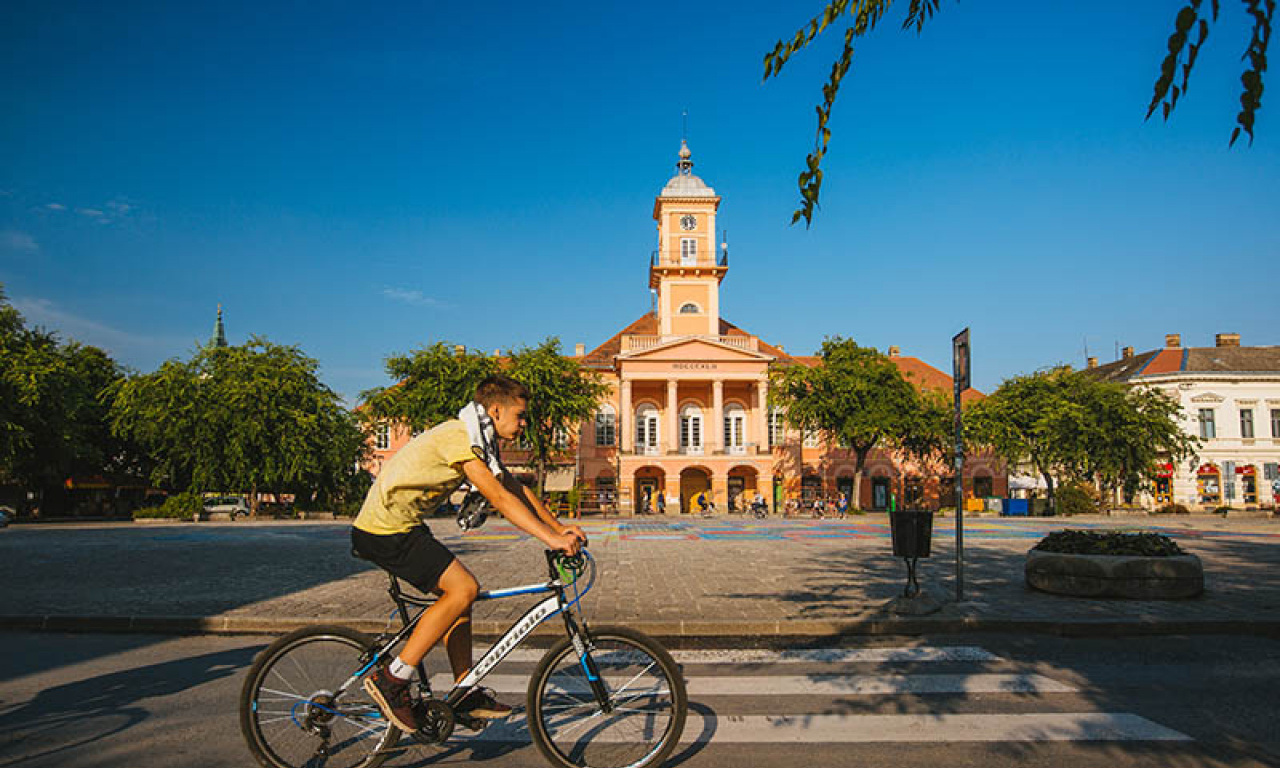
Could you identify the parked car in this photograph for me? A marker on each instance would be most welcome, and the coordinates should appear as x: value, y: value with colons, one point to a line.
x: 6, y: 515
x: 235, y: 506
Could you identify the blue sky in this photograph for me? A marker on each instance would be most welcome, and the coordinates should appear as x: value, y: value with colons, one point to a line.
x: 360, y: 179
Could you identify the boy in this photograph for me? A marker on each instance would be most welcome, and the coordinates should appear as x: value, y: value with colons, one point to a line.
x: 390, y: 532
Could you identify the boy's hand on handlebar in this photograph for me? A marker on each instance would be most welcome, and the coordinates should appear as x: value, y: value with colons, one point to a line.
x: 576, y: 531
x: 565, y: 542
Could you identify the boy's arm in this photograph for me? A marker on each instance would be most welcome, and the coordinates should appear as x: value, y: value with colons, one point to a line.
x: 531, y: 498
x: 515, y: 510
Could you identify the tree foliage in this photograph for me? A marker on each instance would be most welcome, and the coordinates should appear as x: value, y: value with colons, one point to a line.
x: 562, y: 394
x: 250, y: 418
x: 856, y: 396
x: 862, y: 16
x: 432, y: 385
x: 1074, y: 426
x: 53, y: 419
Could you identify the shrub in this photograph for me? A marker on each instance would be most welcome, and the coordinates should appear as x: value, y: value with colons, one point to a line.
x: 1173, y: 509
x: 1074, y: 500
x: 1224, y: 509
x: 182, y: 506
x: 1109, y: 543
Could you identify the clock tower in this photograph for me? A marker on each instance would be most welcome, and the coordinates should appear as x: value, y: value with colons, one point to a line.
x: 687, y: 269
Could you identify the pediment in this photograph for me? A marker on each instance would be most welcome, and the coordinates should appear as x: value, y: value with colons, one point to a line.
x: 696, y: 349
x: 1208, y: 397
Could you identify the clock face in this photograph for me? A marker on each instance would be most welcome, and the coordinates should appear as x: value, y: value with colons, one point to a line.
x: 688, y: 222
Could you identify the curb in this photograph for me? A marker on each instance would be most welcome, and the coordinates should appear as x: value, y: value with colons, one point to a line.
x: 799, y: 629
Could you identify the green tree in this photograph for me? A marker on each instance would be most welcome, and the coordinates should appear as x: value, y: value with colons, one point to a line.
x: 855, y: 396
x: 1019, y: 421
x: 562, y: 394
x: 53, y: 419
x: 1108, y: 434
x: 251, y: 418
x: 860, y: 17
x: 1072, y: 425
x: 432, y: 385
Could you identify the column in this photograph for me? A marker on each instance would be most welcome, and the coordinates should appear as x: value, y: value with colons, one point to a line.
x: 716, y: 442
x: 762, y: 423
x: 626, y: 430
x: 672, y: 438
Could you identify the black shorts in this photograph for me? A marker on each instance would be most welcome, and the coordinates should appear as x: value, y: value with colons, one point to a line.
x: 415, y: 556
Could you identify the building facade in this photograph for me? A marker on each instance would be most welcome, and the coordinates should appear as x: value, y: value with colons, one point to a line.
x: 688, y: 408
x: 1230, y: 399
x: 689, y: 405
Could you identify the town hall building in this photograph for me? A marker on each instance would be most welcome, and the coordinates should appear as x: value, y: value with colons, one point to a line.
x: 688, y: 408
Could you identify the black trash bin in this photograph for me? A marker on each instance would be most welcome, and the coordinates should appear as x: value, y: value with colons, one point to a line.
x: 912, y: 531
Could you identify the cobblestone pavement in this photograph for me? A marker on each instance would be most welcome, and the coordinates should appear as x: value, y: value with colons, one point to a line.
x: 725, y: 576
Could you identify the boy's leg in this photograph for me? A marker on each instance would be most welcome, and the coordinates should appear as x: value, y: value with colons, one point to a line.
x: 457, y: 589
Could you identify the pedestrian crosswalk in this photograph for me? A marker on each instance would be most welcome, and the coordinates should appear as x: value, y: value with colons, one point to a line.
x: 925, y: 694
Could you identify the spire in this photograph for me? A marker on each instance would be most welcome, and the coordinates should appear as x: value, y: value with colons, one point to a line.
x: 685, y: 166
x: 219, y: 337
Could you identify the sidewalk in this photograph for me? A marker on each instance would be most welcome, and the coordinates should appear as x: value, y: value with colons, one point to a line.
x: 669, y: 577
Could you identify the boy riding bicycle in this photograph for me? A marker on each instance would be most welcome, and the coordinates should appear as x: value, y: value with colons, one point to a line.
x: 390, y: 532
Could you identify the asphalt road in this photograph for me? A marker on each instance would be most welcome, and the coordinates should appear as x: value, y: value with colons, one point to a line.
x: 75, y: 701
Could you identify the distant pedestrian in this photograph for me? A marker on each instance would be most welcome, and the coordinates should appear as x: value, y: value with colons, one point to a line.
x: 662, y: 503
x: 842, y: 506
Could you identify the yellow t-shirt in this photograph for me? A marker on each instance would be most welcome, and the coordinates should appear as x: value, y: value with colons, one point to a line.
x: 417, y: 479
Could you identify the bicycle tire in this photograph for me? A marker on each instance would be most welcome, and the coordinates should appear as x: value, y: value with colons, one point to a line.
x: 316, y: 660
x: 623, y: 738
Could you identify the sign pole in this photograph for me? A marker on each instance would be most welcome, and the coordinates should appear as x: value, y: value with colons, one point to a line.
x: 960, y: 377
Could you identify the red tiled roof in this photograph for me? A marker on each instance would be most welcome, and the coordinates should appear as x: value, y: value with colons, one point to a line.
x: 1167, y: 361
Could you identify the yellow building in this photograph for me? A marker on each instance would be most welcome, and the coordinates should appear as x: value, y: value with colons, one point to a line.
x: 689, y: 407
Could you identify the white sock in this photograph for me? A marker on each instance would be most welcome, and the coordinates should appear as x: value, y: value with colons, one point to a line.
x: 400, y: 670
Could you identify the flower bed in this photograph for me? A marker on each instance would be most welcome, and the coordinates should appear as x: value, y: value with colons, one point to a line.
x: 1143, y: 566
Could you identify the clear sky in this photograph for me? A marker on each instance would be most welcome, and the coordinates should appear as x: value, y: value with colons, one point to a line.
x: 360, y: 179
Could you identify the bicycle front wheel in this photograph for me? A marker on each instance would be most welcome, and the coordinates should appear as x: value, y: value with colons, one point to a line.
x: 645, y: 711
x: 292, y: 714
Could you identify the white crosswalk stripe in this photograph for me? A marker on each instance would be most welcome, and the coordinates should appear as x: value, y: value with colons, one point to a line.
x: 717, y: 691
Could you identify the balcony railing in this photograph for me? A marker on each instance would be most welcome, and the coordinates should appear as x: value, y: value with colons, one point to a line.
x: 673, y: 259
x: 640, y: 342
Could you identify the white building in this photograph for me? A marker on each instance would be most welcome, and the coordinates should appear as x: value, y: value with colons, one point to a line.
x: 1230, y: 398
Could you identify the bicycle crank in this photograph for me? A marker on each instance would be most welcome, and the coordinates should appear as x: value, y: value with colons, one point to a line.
x: 436, y: 718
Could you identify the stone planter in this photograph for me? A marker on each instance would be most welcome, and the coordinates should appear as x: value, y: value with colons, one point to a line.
x: 1131, y: 576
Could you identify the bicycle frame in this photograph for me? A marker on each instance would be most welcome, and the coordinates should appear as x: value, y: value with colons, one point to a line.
x: 557, y: 602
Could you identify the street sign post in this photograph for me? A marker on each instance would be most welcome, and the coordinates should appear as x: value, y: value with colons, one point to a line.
x: 960, y: 376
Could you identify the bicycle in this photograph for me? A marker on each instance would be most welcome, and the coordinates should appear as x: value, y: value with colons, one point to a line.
x: 605, y: 698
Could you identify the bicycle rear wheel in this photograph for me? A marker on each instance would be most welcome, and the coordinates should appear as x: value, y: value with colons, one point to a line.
x: 290, y: 715
x: 646, y: 710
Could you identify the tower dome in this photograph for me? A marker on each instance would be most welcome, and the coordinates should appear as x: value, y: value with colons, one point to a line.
x: 684, y: 183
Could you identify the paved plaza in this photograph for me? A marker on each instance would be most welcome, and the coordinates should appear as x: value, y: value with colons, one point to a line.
x: 672, y: 577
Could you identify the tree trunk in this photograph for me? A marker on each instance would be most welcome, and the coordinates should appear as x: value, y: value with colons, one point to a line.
x: 541, y: 464
x: 1048, y: 482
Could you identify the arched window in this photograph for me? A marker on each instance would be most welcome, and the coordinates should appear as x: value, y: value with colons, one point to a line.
x: 689, y: 308
x: 647, y: 429
x: 606, y: 425
x: 691, y: 429
x: 735, y: 428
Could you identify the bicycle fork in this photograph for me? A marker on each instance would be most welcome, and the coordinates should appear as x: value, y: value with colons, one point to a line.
x: 583, y: 647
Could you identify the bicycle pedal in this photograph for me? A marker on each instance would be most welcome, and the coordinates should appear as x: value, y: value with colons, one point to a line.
x: 471, y: 723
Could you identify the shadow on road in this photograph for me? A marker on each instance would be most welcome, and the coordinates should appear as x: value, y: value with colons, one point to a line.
x: 73, y: 716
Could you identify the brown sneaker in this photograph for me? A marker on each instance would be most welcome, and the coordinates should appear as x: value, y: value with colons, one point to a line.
x: 391, y: 694
x: 479, y: 702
